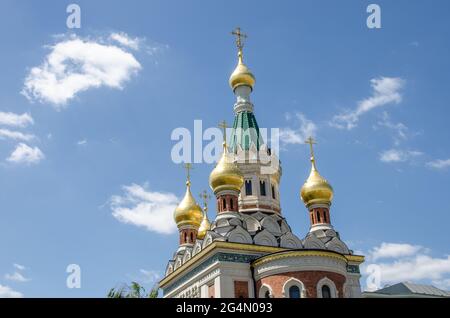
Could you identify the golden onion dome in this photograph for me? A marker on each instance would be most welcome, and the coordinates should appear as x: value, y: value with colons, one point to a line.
x: 241, y: 75
x: 316, y: 189
x: 188, y: 212
x: 226, y: 175
x: 205, y: 226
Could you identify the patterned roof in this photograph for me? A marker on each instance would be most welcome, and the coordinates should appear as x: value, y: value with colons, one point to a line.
x: 245, y: 132
x: 258, y: 228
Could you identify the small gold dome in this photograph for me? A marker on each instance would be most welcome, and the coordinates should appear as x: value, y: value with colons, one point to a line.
x: 316, y: 188
x: 226, y: 175
x: 188, y: 212
x: 241, y: 75
x: 205, y: 226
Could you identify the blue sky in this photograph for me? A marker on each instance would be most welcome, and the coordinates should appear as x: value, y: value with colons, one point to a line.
x: 86, y: 160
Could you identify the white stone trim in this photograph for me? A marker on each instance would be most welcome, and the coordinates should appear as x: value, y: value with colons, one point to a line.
x: 263, y: 289
x: 293, y: 282
x: 301, y: 264
x: 327, y: 282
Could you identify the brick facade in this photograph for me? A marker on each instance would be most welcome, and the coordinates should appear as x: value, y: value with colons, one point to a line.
x: 227, y: 203
x: 309, y: 280
x: 188, y: 236
x: 240, y: 289
x: 211, y: 291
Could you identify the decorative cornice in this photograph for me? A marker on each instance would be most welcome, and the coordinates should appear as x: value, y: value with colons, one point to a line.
x: 298, y: 253
x: 195, y: 260
x: 355, y: 258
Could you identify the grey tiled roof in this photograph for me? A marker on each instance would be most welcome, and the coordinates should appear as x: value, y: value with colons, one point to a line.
x: 408, y: 288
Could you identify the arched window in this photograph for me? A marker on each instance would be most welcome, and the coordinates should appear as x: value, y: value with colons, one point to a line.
x: 325, y: 216
x: 294, y: 292
x: 248, y: 187
x: 318, y: 216
x: 192, y: 237
x: 265, y: 292
x: 224, y: 204
x: 231, y: 204
x: 262, y: 188
x: 273, y: 193
x: 326, y: 292
x: 185, y: 237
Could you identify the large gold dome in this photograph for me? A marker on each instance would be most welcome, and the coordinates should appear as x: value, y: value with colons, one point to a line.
x: 226, y: 175
x: 241, y: 75
x: 188, y: 212
x: 316, y: 189
x: 205, y: 226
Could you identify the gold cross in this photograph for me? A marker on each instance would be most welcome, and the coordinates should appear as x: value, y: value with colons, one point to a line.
x: 188, y: 167
x: 224, y: 126
x: 311, y: 142
x: 205, y: 196
x: 239, y: 37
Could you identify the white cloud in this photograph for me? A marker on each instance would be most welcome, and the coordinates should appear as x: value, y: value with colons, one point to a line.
x: 148, y: 209
x: 19, y: 267
x: 439, y: 164
x: 75, y: 65
x: 7, y: 292
x: 405, y: 262
x: 16, y: 277
x: 82, y: 142
x: 25, y: 154
x: 306, y: 129
x: 398, y: 155
x: 15, y: 135
x: 15, y: 120
x: 393, y: 250
x: 125, y: 40
x: 386, y: 90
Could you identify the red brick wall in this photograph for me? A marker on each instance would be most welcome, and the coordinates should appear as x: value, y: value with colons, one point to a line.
x: 309, y: 279
x: 240, y: 289
x: 231, y: 203
x: 186, y: 235
x: 211, y: 291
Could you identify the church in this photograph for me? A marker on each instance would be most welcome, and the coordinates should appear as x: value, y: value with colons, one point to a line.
x: 249, y: 249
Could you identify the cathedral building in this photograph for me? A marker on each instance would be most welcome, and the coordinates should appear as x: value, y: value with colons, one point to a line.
x: 249, y: 249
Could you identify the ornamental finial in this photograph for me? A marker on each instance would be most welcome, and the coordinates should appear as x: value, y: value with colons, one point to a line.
x: 239, y: 41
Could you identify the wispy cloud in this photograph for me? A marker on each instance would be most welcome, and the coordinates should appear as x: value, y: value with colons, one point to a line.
x: 16, y: 120
x: 82, y: 142
x: 401, y: 131
x: 8, y: 292
x: 439, y: 164
x: 15, y: 135
x: 24, y: 154
x: 398, y: 155
x: 142, y: 207
x: 305, y: 128
x: 386, y: 90
x: 16, y: 277
x: 125, y: 40
x: 19, y: 267
x: 406, y: 262
x: 75, y: 65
